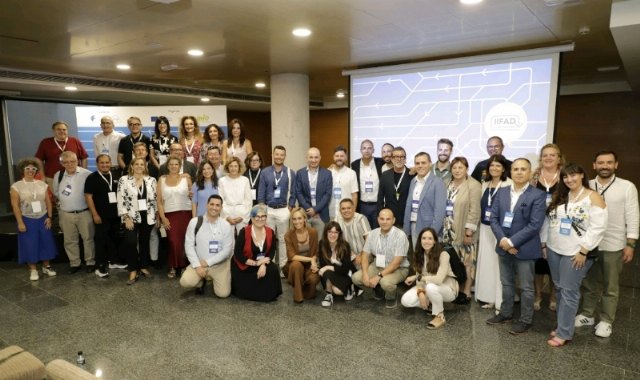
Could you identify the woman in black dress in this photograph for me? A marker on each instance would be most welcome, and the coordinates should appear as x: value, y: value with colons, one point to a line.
x: 254, y: 276
x: 335, y: 264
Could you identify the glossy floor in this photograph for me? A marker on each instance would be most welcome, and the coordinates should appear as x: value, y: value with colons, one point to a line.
x: 156, y: 330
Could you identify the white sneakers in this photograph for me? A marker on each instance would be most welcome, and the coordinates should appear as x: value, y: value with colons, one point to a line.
x: 328, y: 300
x: 34, y: 275
x: 48, y: 271
x: 603, y: 329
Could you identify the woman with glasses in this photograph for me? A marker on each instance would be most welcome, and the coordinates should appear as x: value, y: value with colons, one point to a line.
x: 213, y: 136
x: 254, y: 165
x: 32, y: 208
x: 254, y: 276
x: 161, y: 141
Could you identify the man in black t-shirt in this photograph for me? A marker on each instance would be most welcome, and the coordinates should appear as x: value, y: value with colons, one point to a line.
x: 125, y: 148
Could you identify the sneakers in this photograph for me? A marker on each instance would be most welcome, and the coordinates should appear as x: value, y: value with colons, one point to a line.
x: 117, y: 266
x: 328, y: 300
x: 518, y: 328
x: 102, y: 273
x: 603, y: 329
x: 391, y: 303
x: 48, y: 271
x: 378, y: 293
x: 34, y: 275
x: 498, y: 320
x: 349, y: 295
x: 582, y: 320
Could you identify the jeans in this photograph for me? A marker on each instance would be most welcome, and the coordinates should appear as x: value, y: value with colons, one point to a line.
x: 566, y: 281
x: 370, y: 211
x: 510, y: 266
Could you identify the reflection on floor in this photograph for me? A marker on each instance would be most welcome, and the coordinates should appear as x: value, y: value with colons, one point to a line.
x: 156, y: 330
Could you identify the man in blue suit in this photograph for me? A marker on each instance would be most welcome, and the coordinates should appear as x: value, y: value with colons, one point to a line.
x: 427, y: 200
x: 313, y: 190
x: 517, y: 215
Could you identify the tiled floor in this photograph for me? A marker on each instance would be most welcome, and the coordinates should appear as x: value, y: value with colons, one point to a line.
x: 156, y: 330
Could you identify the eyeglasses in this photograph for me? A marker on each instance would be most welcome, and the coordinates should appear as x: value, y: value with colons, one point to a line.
x: 31, y: 168
x: 135, y: 125
x: 260, y: 217
x: 398, y: 157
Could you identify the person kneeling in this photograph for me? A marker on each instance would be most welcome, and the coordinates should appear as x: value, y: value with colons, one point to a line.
x: 208, y: 246
x: 434, y: 279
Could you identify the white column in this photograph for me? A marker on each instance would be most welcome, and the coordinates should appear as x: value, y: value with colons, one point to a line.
x: 290, y: 116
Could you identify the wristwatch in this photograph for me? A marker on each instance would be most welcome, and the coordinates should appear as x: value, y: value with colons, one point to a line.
x: 380, y: 274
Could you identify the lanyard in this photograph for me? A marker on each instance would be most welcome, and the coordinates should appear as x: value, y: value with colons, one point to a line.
x: 516, y: 195
x: 397, y: 186
x: 576, y: 197
x: 604, y: 188
x: 32, y: 188
x: 277, y: 180
x: 189, y: 148
x: 110, y: 182
x: 214, y: 231
x: 62, y: 148
x: 260, y: 245
x: 133, y: 142
x: 313, y: 178
x: 494, y: 192
x: 140, y: 190
x: 253, y: 180
x: 546, y: 184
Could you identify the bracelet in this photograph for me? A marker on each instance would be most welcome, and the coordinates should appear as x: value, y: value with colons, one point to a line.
x: 421, y: 291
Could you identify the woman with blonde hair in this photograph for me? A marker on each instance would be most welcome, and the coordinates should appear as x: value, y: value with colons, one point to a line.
x: 301, y: 269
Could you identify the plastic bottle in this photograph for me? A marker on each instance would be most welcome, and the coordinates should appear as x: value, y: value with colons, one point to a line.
x: 80, y: 362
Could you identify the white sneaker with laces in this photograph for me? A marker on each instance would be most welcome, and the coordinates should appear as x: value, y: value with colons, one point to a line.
x: 34, y: 275
x: 48, y: 271
x: 582, y: 320
x: 328, y: 300
x: 603, y: 329
x: 349, y: 295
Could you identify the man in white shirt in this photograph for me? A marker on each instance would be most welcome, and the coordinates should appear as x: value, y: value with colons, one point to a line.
x: 617, y: 247
x: 345, y: 182
x: 387, y: 246
x: 209, y: 251
x: 75, y: 218
x: 107, y: 141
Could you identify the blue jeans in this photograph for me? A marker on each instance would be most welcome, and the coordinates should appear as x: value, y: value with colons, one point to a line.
x: 566, y: 281
x: 510, y: 266
x: 370, y: 211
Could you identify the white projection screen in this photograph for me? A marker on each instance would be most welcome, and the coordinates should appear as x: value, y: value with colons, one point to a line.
x: 511, y: 95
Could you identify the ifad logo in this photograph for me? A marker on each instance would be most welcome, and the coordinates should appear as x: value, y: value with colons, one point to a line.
x: 507, y: 120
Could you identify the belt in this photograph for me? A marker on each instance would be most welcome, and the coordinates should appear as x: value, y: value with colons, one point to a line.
x: 369, y: 203
x: 277, y: 206
x: 77, y: 211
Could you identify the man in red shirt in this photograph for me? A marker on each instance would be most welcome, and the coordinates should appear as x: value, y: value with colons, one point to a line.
x: 51, y: 148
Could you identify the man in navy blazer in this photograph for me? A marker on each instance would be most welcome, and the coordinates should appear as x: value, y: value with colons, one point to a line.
x: 427, y: 200
x: 313, y: 190
x: 517, y: 215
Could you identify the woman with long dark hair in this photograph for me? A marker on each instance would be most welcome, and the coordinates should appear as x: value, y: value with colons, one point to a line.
x: 161, y: 141
x: 237, y: 144
x: 434, y: 280
x: 213, y: 136
x: 205, y: 186
x: 335, y: 264
x: 575, y: 225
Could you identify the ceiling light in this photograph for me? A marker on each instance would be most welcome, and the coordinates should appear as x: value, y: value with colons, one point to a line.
x: 260, y: 85
x: 123, y: 66
x: 604, y: 69
x: 301, y: 32
x: 470, y: 2
x: 195, y: 52
x: 71, y: 88
x: 205, y: 99
x: 340, y: 94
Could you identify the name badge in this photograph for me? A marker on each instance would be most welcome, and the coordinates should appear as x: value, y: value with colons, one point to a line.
x: 213, y: 247
x: 380, y: 261
x: 162, y: 159
x: 142, y: 205
x: 276, y: 193
x: 112, y: 197
x: 565, y: 226
x: 487, y: 214
x: 105, y: 150
x: 548, y: 200
x: 414, y: 209
x: 337, y: 193
x: 449, y: 208
x: 368, y: 186
x: 253, y: 194
x: 36, y: 207
x: 67, y: 190
x: 508, y: 219
x: 191, y: 159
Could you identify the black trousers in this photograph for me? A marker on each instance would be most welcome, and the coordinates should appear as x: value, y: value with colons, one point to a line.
x: 107, y: 242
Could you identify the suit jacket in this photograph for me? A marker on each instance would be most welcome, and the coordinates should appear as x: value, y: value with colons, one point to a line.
x: 187, y: 167
x: 528, y: 218
x: 387, y: 194
x: 355, y: 165
x: 432, y: 207
x: 323, y: 191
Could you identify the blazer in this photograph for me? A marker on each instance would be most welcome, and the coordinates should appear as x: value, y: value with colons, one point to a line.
x: 292, y: 243
x: 323, y: 191
x: 432, y: 207
x: 128, y: 192
x: 387, y: 194
x: 528, y: 218
x: 466, y: 209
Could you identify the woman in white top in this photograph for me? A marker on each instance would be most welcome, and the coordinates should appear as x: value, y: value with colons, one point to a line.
x: 235, y: 190
x: 174, y: 208
x: 488, y: 288
x: 575, y: 224
x: 434, y: 279
x: 237, y: 144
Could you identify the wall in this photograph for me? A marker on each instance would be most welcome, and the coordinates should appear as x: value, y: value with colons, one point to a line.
x: 329, y: 128
x: 258, y: 130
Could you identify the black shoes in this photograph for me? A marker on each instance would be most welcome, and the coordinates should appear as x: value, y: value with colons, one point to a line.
x: 378, y: 293
x: 74, y: 270
x: 498, y: 320
x: 91, y: 268
x: 518, y: 328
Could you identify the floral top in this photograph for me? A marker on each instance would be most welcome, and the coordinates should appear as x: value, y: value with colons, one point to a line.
x: 128, y: 199
x: 161, y: 145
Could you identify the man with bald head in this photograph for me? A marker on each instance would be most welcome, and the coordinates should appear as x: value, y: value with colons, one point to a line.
x: 107, y: 141
x: 386, y: 247
x: 313, y: 190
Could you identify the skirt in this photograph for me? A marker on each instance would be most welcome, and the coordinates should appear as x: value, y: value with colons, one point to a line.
x: 175, y: 236
x: 245, y: 283
x: 37, y: 243
x: 488, y: 287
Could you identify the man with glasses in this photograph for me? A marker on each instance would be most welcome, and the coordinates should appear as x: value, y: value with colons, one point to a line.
x: 494, y: 146
x: 74, y: 216
x: 214, y: 156
x: 187, y: 167
x: 51, y: 148
x: 394, y: 186
x: 125, y: 147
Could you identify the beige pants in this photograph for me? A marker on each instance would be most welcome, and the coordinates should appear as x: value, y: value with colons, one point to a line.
x: 388, y: 283
x: 219, y: 274
x: 73, y: 227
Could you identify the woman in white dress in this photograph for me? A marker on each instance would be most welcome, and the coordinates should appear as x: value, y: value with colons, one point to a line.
x: 488, y: 287
x: 235, y: 190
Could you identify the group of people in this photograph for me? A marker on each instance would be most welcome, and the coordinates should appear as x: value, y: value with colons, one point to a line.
x: 375, y: 224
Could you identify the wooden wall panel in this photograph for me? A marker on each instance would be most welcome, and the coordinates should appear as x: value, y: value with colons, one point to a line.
x: 329, y: 128
x: 258, y: 130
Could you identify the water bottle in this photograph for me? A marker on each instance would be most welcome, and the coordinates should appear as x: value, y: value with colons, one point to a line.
x: 80, y: 362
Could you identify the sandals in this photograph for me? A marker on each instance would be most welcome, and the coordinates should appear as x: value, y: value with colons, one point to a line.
x: 172, y: 273
x: 558, y: 342
x: 488, y: 306
x: 437, y: 322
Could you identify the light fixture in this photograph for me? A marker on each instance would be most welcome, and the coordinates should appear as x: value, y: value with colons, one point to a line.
x: 301, y: 32
x: 260, y: 85
x: 98, y: 372
x: 604, y: 69
x: 123, y: 66
x: 340, y: 94
x: 470, y: 2
x: 71, y: 88
x: 205, y: 99
x: 195, y: 53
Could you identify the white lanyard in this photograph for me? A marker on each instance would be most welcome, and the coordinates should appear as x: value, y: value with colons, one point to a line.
x: 400, y: 181
x: 214, y: 231
x: 277, y: 180
x: 253, y: 180
x: 140, y: 189
x: 313, y: 178
x: 133, y: 142
x: 189, y: 148
x: 32, y: 187
x: 260, y: 245
x: 577, y: 196
x: 546, y: 184
x: 494, y: 192
x: 62, y: 148
x: 110, y: 182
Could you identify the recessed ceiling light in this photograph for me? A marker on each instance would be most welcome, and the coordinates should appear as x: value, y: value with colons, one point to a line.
x: 123, y: 66
x: 604, y: 69
x: 71, y: 88
x: 195, y: 52
x: 301, y: 32
x: 340, y: 94
x: 470, y: 2
x: 205, y: 99
x: 260, y: 85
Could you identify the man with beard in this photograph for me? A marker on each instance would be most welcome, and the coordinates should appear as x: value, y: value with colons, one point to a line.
x: 345, y: 182
x: 394, y: 186
x: 386, y: 151
x: 616, y: 248
x: 125, y: 147
x: 442, y: 168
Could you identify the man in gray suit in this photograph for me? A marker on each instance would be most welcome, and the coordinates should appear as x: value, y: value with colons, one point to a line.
x: 426, y: 204
x: 517, y: 215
